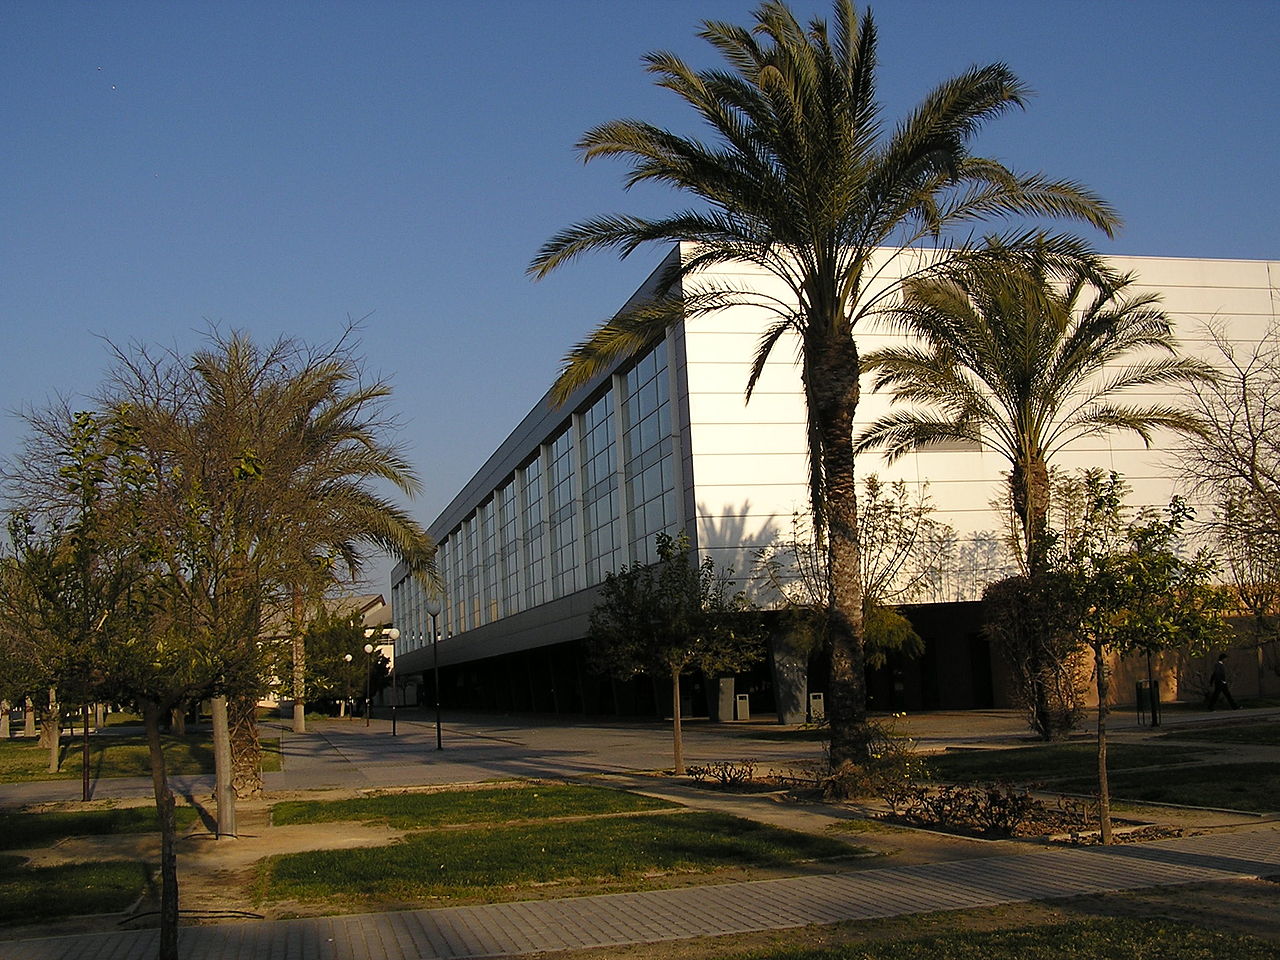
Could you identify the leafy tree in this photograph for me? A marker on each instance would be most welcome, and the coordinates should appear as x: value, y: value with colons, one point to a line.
x: 68, y: 572
x: 329, y: 637
x: 669, y: 617
x: 87, y: 566
x: 266, y: 460
x: 804, y: 182
x: 1134, y: 590
x: 1031, y: 623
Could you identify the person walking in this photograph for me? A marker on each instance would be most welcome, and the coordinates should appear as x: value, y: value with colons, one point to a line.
x: 1218, y: 684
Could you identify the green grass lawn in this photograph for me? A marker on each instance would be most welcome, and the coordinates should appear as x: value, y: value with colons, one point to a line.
x: 1051, y: 762
x: 112, y: 755
x: 409, y: 811
x: 32, y: 894
x: 500, y: 862
x: 1264, y: 733
x: 1104, y: 939
x: 28, y: 830
x: 1234, y: 786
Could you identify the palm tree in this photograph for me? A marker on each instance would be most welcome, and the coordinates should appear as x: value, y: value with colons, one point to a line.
x: 327, y: 455
x: 267, y: 462
x: 804, y: 182
x: 318, y: 454
x: 1023, y: 359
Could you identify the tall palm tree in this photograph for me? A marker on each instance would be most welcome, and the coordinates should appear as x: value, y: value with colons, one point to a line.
x: 1022, y: 359
x: 327, y: 460
x: 804, y: 181
x: 268, y: 462
x: 318, y: 456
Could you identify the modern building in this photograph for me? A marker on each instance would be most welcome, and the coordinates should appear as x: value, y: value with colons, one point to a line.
x: 665, y: 442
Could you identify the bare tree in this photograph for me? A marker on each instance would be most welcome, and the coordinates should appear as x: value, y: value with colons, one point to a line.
x: 1235, y: 464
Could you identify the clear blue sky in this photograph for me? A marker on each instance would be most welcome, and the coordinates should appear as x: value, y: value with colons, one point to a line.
x: 278, y: 167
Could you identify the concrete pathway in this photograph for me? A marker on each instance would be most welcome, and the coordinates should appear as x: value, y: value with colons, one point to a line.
x: 349, y: 755
x: 507, y: 929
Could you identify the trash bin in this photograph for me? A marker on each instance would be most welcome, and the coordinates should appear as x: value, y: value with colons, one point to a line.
x: 1148, y: 702
x: 742, y: 707
x: 817, y: 708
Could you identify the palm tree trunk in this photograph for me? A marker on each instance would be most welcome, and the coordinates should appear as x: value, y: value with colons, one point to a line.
x: 168, y: 831
x: 1104, y: 787
x: 1029, y: 488
x: 246, y: 750
x: 832, y: 386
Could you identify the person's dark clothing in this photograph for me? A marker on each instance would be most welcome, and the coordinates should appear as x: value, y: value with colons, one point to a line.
x: 1218, y: 683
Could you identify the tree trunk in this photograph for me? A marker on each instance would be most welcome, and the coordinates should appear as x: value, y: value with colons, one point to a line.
x: 1029, y: 487
x: 84, y: 754
x: 1029, y: 490
x: 178, y: 721
x: 168, y: 831
x: 246, y: 751
x: 1104, y: 787
x: 831, y: 386
x: 677, y: 735
x: 224, y: 796
x: 51, y: 731
x: 299, y: 667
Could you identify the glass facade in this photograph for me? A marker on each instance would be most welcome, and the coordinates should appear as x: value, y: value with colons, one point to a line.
x: 649, y: 453
x: 600, y: 507
x: 588, y: 499
x: 535, y: 541
x: 509, y: 547
x: 562, y: 514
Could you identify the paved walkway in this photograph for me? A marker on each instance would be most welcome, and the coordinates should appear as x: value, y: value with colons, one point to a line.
x: 352, y: 756
x: 349, y: 755
x: 505, y: 929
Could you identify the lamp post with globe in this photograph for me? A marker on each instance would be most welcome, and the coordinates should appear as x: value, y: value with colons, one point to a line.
x: 346, y: 684
x: 433, y: 606
x: 392, y: 634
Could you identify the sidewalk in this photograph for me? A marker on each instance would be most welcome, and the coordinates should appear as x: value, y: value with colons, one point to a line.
x: 506, y: 929
x: 349, y: 755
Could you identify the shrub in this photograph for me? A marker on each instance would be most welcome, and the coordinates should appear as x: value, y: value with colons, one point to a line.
x: 724, y: 773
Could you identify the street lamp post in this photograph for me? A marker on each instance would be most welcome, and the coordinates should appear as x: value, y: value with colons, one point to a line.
x: 392, y: 634
x: 433, y: 607
x: 346, y: 683
x: 368, y: 682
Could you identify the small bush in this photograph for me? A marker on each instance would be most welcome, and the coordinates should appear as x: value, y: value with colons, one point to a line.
x: 893, y: 773
x: 724, y: 773
x: 993, y: 809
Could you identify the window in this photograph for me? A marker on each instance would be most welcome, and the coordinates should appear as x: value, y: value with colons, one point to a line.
x: 649, y: 454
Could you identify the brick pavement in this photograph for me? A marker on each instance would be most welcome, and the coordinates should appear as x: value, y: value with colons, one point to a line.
x: 507, y: 929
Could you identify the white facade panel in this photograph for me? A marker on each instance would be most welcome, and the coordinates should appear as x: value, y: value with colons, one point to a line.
x: 692, y: 454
